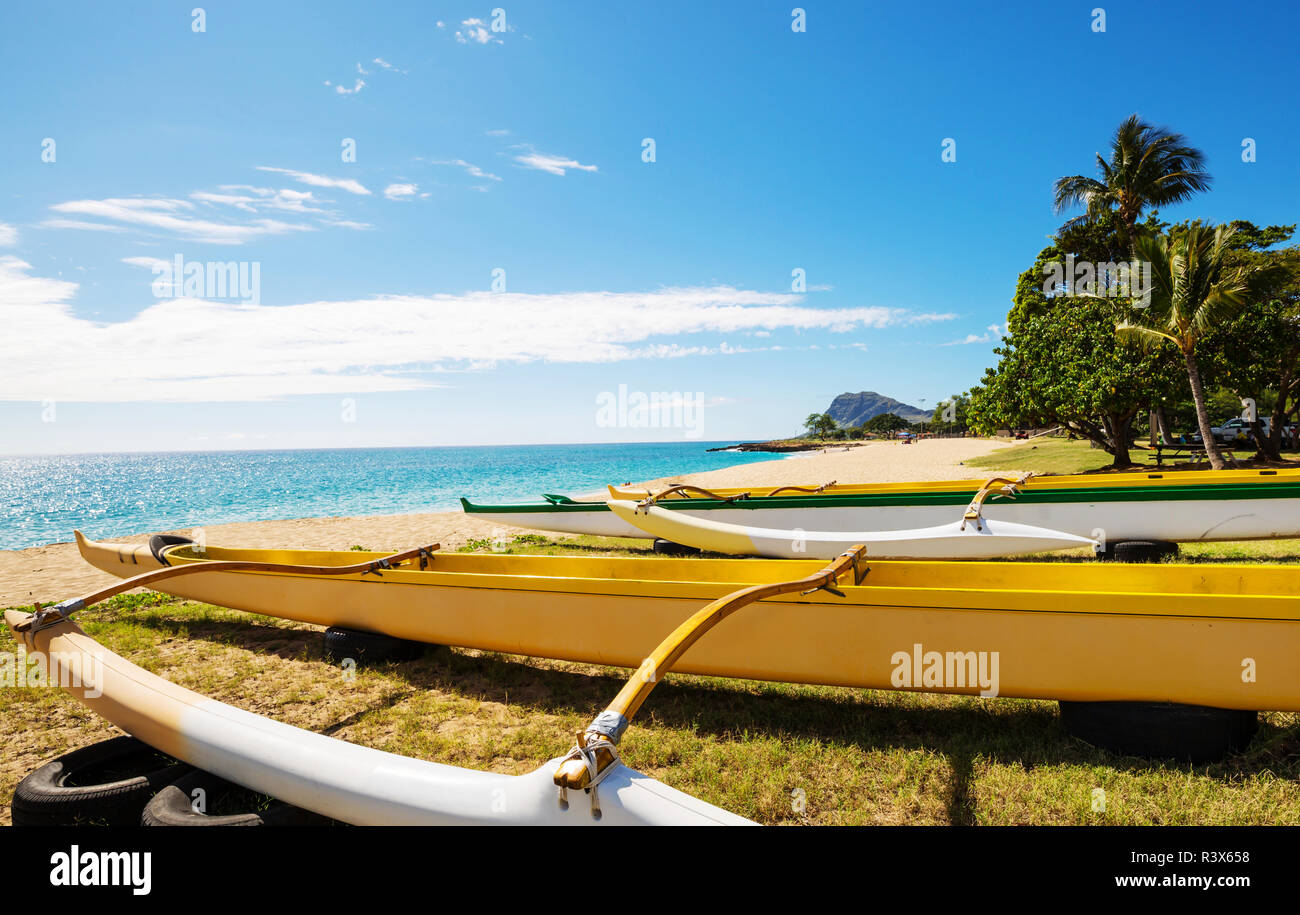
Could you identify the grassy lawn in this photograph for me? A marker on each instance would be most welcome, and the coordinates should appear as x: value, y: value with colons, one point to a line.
x: 1056, y: 456
x: 859, y: 756
x: 1046, y: 455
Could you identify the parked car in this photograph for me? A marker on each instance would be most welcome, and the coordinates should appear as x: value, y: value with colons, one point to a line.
x: 1238, y: 430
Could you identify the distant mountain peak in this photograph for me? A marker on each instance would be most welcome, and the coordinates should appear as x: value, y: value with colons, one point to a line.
x: 855, y: 409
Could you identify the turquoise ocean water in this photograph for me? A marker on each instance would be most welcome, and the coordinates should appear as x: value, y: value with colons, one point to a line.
x: 42, y: 499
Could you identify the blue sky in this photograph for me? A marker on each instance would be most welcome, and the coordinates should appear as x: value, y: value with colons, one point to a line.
x: 521, y: 149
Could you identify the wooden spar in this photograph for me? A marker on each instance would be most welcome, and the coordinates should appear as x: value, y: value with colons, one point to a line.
x: 61, y: 611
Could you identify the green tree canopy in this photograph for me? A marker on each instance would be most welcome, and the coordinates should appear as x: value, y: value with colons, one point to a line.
x: 820, y: 425
x: 885, y: 423
x: 1061, y: 362
x: 1147, y: 166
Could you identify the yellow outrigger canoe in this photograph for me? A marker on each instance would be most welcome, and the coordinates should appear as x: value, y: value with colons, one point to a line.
x: 1226, y: 636
x: 1152, y: 478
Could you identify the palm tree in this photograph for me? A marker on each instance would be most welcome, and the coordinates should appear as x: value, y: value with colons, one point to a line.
x: 1148, y: 167
x: 1191, y: 292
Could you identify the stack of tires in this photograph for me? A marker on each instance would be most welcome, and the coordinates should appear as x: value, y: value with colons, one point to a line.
x: 125, y: 782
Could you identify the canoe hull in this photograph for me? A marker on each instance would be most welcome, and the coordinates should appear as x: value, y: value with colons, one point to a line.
x: 1058, y: 630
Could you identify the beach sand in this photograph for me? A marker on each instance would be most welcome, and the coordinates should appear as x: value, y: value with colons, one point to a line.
x: 56, y: 572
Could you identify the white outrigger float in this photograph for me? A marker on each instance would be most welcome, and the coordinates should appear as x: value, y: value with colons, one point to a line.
x: 364, y: 786
x: 345, y: 781
x: 971, y: 537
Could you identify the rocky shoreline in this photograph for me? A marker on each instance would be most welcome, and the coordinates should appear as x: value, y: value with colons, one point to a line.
x: 784, y: 446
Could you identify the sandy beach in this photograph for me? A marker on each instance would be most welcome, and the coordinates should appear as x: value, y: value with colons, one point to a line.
x: 55, y: 571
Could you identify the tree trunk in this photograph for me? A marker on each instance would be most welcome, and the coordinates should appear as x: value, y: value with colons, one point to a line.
x: 1265, y: 449
x: 1117, y: 431
x: 1280, y: 411
x: 1202, y: 415
x: 1161, y: 415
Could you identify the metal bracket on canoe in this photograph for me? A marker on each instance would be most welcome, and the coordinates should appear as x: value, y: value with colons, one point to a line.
x: 859, y: 573
x: 591, y: 743
x: 45, y: 617
x: 1008, y: 489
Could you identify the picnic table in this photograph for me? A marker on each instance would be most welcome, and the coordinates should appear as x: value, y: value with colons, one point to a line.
x: 1193, y: 452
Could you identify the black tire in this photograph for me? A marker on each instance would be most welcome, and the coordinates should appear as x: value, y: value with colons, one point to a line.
x: 106, y: 783
x: 669, y: 548
x: 172, y: 806
x: 160, y: 542
x: 369, y: 647
x: 1161, y: 730
x: 1138, y: 551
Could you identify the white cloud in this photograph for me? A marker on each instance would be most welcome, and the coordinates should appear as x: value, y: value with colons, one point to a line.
x: 285, y: 199
x: 207, y: 215
x: 470, y: 168
x: 168, y: 215
x: 80, y: 224
x: 191, y: 350
x: 400, y: 191
x: 496, y: 133
x: 347, y: 184
x: 344, y: 90
x: 8, y: 235
x: 151, y: 263
x: 555, y: 165
x: 362, y: 70
x: 475, y: 31
x: 387, y: 66
x: 992, y: 334
x: 348, y: 224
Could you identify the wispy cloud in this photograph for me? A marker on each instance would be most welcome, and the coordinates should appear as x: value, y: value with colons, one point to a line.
x: 469, y: 167
x: 344, y: 90
x: 400, y: 191
x: 554, y: 165
x: 8, y: 235
x: 387, y: 66
x: 991, y: 335
x: 177, y: 217
x: 346, y: 184
x: 231, y: 215
x: 79, y: 224
x: 191, y: 350
x: 259, y: 198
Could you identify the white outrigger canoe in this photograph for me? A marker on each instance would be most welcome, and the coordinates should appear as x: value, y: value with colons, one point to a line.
x: 364, y: 786
x: 970, y: 538
x: 1185, y: 506
x: 345, y: 781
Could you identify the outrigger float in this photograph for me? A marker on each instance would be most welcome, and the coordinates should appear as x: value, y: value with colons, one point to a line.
x: 1150, y: 506
x: 971, y: 537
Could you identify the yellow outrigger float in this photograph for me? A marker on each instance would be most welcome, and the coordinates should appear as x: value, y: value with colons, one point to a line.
x: 1224, y: 636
